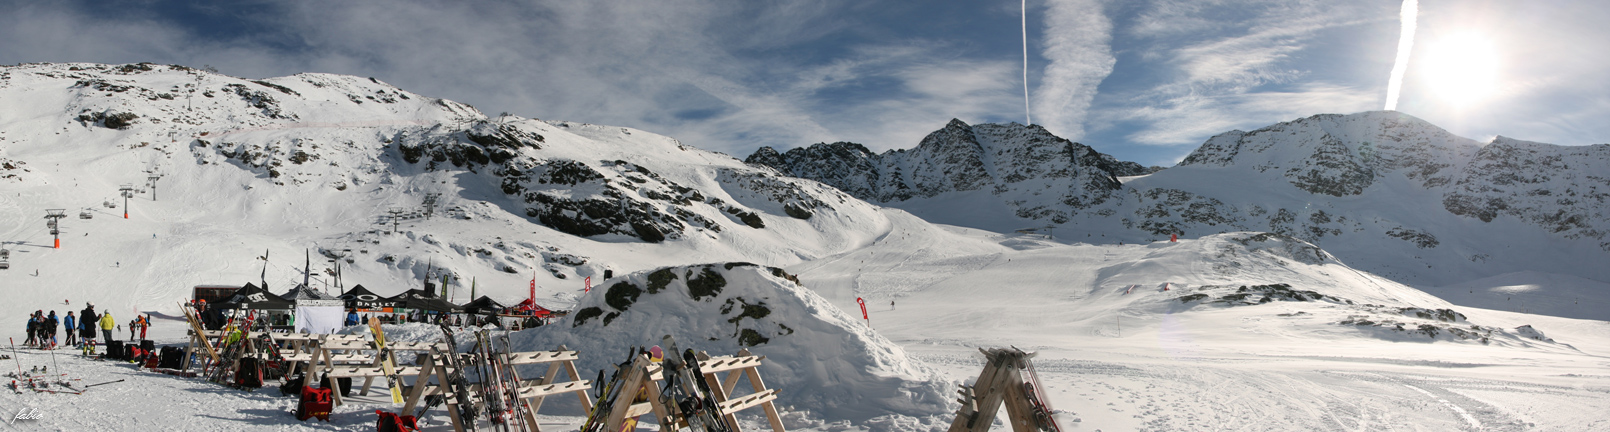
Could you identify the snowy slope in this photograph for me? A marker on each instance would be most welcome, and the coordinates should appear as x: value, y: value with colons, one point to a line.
x: 1115, y: 350
x: 317, y: 162
x: 1118, y: 352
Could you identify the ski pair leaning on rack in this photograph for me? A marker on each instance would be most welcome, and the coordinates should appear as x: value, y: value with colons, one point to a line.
x: 604, y: 398
x: 499, y: 390
x: 686, y: 391
x: 685, y: 394
x: 456, y: 380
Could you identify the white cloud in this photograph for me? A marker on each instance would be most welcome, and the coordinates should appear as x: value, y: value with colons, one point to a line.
x: 1189, y: 119
x: 1234, y: 69
x: 1078, y: 38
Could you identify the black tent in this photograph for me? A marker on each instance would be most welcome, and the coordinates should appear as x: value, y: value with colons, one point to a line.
x: 361, y: 298
x: 303, y: 292
x: 424, y: 300
x: 252, y: 297
x: 483, y: 306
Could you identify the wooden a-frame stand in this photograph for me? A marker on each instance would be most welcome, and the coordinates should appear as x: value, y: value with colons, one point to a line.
x: 1002, y: 381
x: 345, y: 357
x: 198, y: 338
x: 646, y: 375
x: 531, y: 392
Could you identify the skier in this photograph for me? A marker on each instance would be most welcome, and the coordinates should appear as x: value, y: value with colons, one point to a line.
x: 42, y: 331
x: 107, y: 323
x: 71, y: 325
x: 33, y: 329
x: 133, y: 323
x: 86, y: 324
x: 891, y: 304
x: 50, y: 328
x: 145, y: 323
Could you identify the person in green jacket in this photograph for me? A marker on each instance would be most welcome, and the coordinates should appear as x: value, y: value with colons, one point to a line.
x: 106, y: 325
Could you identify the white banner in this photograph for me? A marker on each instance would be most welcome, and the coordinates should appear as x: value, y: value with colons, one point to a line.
x: 319, y: 316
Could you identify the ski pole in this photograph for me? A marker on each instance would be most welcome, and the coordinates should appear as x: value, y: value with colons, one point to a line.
x: 53, y: 362
x: 104, y: 383
x: 18, y: 358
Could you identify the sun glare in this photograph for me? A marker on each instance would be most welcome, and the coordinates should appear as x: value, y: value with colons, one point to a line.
x: 1462, y: 69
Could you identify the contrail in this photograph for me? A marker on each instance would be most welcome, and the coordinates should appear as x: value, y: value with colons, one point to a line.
x: 1027, y: 119
x: 1411, y: 9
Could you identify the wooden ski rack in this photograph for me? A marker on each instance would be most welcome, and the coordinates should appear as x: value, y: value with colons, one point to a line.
x: 354, y: 356
x: 1001, y: 382
x: 342, y: 356
x: 646, y: 374
x: 531, y: 392
x: 298, y: 350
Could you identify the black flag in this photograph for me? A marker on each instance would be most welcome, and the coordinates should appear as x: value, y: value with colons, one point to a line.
x: 264, y: 277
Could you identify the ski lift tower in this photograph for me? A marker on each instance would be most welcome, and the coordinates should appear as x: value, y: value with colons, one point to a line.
x: 396, y: 214
x: 153, y: 177
x: 430, y: 203
x: 127, y: 190
x: 55, y: 216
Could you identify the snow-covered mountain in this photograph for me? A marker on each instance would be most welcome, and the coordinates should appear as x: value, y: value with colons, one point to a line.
x: 1385, y: 191
x: 324, y: 162
x: 1034, y: 172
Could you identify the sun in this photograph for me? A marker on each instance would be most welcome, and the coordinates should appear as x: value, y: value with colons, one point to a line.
x: 1462, y: 69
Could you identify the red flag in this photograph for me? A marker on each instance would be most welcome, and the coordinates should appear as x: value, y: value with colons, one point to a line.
x: 589, y: 281
x: 863, y: 308
x: 533, y: 286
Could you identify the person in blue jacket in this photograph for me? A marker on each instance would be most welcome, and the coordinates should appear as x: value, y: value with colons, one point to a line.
x: 352, y: 317
x: 71, y: 324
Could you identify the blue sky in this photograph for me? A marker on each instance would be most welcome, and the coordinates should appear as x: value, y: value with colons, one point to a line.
x: 1143, y: 80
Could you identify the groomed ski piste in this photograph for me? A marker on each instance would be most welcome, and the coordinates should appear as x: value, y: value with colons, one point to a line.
x: 1116, y: 351
x: 1327, y: 353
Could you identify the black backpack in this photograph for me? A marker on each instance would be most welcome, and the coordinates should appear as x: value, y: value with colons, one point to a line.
x: 171, y: 358
x: 249, y: 374
x: 345, y: 383
x: 293, y: 385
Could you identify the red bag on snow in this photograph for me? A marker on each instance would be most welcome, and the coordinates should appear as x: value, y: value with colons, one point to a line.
x: 315, y: 403
x: 394, y: 423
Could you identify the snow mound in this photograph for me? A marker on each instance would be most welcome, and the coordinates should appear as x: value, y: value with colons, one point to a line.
x: 822, y: 359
